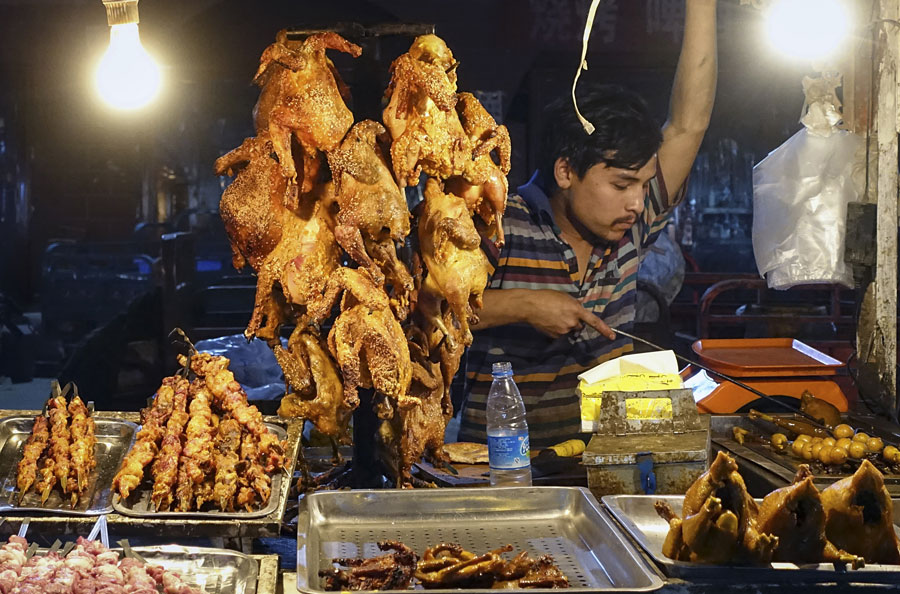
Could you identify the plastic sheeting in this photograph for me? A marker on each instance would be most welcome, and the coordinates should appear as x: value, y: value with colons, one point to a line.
x: 252, y: 363
x: 800, y: 196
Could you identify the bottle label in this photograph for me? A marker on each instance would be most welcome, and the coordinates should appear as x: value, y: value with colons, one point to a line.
x: 509, y: 452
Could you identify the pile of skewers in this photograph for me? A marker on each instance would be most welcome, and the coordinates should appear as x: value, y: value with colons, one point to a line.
x: 60, y: 449
x: 207, y: 444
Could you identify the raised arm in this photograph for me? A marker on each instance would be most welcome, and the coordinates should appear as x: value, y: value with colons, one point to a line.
x: 693, y: 93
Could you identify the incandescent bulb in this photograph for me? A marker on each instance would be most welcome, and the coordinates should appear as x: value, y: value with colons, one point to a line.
x: 807, y: 29
x: 127, y: 77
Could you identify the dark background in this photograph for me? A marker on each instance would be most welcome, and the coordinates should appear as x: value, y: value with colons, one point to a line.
x: 103, y: 186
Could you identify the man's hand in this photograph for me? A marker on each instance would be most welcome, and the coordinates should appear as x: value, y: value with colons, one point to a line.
x: 557, y: 314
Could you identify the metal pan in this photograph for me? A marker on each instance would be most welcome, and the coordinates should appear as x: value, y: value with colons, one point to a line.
x: 566, y: 522
x: 636, y: 515
x: 215, y: 571
x: 114, y: 439
x: 138, y: 504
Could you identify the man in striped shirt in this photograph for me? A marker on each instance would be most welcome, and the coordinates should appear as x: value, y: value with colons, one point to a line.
x: 567, y: 272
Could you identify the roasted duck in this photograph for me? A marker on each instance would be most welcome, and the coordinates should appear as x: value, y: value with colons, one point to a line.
x: 859, y: 516
x: 796, y: 516
x: 718, y: 523
x: 301, y: 98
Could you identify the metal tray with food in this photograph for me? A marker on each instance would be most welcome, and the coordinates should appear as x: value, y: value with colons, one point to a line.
x: 565, y: 522
x: 636, y: 514
x: 113, y: 439
x: 139, y: 505
x: 215, y: 571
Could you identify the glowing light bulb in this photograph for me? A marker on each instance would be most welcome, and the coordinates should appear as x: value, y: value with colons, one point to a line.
x: 127, y: 77
x: 807, y: 29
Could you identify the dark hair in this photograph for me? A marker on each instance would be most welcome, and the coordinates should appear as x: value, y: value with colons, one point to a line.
x: 626, y: 135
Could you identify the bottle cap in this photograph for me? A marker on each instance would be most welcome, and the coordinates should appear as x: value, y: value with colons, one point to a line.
x: 502, y: 369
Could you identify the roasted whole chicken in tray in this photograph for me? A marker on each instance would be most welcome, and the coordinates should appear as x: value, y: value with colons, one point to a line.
x: 849, y: 522
x: 718, y: 523
x: 318, y: 210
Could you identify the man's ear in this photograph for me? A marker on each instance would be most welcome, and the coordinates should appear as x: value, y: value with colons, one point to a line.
x: 563, y: 173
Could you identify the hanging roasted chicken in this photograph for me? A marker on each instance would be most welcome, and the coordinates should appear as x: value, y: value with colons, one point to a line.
x: 372, y: 215
x: 303, y: 97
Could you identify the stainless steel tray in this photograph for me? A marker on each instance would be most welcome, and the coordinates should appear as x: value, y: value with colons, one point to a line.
x: 566, y: 522
x: 114, y: 439
x: 215, y: 571
x: 636, y: 515
x: 139, y: 505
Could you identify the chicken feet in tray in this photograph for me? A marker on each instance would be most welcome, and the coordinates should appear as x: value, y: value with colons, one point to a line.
x: 301, y: 98
x: 392, y: 571
x: 450, y: 566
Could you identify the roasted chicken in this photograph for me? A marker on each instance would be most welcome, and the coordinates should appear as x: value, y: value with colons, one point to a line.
x: 372, y: 213
x: 796, y: 516
x: 718, y: 523
x: 457, y: 269
x: 483, y: 185
x: 366, y: 339
x: 426, y: 131
x: 859, y: 516
x: 301, y: 98
x: 293, y: 248
x: 392, y: 571
x: 322, y: 399
x: 418, y: 427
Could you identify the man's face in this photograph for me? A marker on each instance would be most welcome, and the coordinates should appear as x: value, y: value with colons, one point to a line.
x: 607, y: 201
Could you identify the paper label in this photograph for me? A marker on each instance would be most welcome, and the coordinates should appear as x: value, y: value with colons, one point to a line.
x: 509, y: 452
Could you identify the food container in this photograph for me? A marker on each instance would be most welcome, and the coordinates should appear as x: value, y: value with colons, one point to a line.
x: 566, y: 522
x: 114, y: 439
x: 638, y: 456
x: 139, y: 505
x: 764, y: 357
x: 635, y: 513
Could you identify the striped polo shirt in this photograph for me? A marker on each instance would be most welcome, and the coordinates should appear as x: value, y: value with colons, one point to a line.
x: 536, y: 257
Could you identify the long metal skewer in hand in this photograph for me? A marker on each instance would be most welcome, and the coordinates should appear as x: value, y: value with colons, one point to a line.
x: 727, y: 378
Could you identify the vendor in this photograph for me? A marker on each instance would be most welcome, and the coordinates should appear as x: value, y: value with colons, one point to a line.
x: 567, y: 272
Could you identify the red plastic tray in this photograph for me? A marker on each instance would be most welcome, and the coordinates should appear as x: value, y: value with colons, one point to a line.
x: 764, y: 357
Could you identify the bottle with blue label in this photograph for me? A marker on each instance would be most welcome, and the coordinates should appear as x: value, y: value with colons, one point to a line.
x: 507, y: 431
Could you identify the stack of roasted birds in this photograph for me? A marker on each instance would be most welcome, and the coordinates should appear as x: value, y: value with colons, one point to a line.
x: 206, y: 443
x: 88, y: 567
x: 851, y: 521
x: 443, y: 566
x: 60, y: 449
x: 313, y: 191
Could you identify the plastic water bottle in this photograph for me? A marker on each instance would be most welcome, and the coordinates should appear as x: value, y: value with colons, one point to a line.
x: 507, y: 431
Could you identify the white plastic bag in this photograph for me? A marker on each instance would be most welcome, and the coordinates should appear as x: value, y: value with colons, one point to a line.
x: 800, y: 196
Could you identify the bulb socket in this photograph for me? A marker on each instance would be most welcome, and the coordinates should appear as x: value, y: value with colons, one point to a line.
x: 121, y: 12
